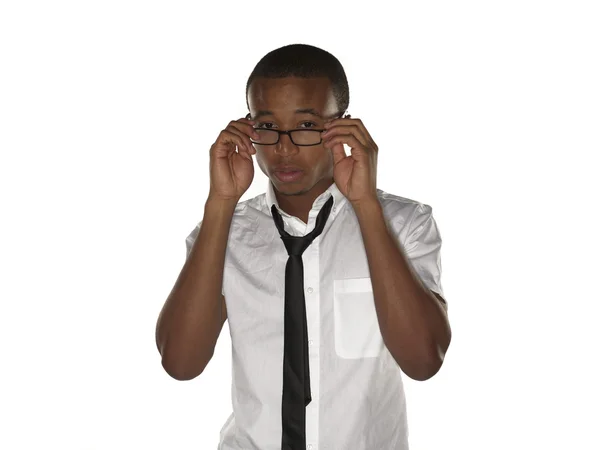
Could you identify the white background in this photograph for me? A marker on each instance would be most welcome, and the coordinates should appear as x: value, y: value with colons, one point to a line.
x: 487, y: 111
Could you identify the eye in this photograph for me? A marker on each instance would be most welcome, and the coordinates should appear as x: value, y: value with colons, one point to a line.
x: 261, y: 125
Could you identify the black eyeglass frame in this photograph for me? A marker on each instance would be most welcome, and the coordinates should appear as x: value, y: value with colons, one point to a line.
x: 288, y: 132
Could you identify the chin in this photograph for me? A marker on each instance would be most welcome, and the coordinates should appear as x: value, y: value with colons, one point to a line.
x: 299, y: 188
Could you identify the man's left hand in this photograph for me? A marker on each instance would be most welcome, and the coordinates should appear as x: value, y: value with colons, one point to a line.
x: 355, y: 175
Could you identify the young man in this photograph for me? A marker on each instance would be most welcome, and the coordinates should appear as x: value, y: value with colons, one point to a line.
x: 320, y: 334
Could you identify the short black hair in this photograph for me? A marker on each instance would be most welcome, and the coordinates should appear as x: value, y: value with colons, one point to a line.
x: 304, y: 61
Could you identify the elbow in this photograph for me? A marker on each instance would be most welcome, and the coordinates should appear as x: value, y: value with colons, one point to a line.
x: 424, y: 367
x: 176, y: 362
x: 180, y: 373
x: 424, y: 372
x: 178, y: 369
x: 432, y: 360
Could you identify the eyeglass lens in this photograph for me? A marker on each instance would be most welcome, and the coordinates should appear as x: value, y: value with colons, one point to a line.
x: 299, y: 137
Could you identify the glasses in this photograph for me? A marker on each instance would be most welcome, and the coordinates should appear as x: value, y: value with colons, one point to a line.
x: 300, y: 136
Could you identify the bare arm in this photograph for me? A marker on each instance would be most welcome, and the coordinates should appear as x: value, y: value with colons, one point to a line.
x: 413, y: 321
x: 194, y: 313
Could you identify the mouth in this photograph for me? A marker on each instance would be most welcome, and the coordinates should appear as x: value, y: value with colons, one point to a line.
x: 289, y: 175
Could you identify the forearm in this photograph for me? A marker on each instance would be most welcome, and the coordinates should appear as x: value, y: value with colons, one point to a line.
x: 192, y: 317
x: 413, y: 322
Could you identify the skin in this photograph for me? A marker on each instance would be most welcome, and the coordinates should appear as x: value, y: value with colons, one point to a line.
x: 282, y: 96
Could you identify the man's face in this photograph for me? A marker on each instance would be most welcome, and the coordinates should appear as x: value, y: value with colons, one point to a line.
x: 282, y: 97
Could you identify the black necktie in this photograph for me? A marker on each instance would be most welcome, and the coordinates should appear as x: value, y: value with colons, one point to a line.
x: 296, y: 375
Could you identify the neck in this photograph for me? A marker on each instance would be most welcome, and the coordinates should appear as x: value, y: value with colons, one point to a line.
x: 300, y: 203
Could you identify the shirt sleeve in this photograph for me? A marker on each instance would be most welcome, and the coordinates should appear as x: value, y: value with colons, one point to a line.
x: 189, y: 243
x: 423, y: 248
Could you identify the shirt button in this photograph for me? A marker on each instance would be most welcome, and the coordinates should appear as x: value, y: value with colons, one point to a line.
x: 310, y: 342
x: 310, y: 290
x: 309, y: 446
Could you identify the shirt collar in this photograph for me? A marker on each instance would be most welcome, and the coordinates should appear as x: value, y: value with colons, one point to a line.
x: 338, y: 199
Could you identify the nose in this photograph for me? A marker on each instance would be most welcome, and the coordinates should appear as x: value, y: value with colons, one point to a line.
x: 285, y: 145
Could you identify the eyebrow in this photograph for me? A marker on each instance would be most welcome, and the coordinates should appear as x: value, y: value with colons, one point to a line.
x: 311, y: 111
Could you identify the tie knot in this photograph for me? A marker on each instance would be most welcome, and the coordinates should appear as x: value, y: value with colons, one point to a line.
x: 295, y: 245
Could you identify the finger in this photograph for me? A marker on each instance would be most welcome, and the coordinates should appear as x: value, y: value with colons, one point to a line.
x: 365, y: 136
x: 248, y: 130
x: 247, y: 145
x: 364, y: 132
x: 250, y: 122
x: 337, y: 150
x: 349, y: 139
x: 368, y: 140
x: 245, y: 120
x: 237, y: 138
x: 346, y: 130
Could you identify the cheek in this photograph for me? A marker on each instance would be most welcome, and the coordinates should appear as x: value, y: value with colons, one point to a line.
x: 260, y: 162
x: 325, y: 161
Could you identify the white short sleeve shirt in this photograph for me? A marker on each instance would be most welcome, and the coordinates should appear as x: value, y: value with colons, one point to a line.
x: 358, y: 400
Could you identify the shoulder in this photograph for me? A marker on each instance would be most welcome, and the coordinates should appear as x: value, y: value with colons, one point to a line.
x: 402, y: 211
x: 397, y: 204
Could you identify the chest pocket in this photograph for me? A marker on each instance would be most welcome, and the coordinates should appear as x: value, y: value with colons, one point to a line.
x: 357, y: 333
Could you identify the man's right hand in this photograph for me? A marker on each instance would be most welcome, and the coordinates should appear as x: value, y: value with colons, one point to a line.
x: 231, y: 172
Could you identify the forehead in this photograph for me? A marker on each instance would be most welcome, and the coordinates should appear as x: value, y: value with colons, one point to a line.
x: 283, y: 96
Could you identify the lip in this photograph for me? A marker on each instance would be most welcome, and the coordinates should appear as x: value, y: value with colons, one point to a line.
x: 289, y: 177
x: 286, y: 167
